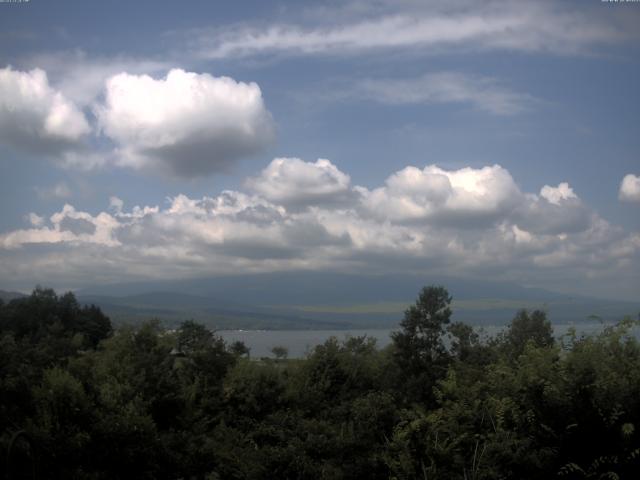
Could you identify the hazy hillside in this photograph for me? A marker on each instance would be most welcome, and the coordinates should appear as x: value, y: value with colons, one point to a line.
x: 8, y: 296
x: 320, y: 300
x: 304, y: 288
x: 330, y: 301
x: 173, y: 308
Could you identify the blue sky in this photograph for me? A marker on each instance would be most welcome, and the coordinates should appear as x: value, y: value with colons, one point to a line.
x: 461, y: 138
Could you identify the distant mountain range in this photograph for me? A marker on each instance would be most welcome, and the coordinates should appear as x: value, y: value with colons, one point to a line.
x: 8, y: 296
x: 172, y: 308
x: 305, y: 288
x: 300, y: 301
x: 330, y: 301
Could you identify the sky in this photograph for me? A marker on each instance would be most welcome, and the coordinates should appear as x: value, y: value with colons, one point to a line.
x: 167, y: 140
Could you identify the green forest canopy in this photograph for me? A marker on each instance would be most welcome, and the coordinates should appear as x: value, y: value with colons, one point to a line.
x: 79, y: 399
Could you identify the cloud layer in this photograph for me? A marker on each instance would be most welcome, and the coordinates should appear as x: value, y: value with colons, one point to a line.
x: 426, y: 27
x: 466, y: 222
x: 483, y: 93
x: 185, y: 124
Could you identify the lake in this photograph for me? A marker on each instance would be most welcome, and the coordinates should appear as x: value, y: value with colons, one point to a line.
x: 299, y: 342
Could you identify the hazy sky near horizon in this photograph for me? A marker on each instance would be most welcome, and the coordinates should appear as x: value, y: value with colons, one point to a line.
x: 149, y: 140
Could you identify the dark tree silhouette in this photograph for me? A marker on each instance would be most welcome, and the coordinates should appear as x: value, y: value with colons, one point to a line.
x: 419, y: 348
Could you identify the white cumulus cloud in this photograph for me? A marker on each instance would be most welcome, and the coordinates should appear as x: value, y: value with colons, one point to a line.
x: 559, y: 194
x: 81, y: 76
x: 461, y: 196
x: 35, y: 220
x: 185, y: 124
x: 35, y: 117
x: 294, y: 181
x: 630, y: 188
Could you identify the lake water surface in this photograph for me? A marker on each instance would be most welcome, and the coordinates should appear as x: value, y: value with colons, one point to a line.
x: 300, y: 342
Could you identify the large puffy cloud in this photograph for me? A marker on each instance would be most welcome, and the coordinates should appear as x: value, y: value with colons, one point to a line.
x: 293, y: 181
x: 81, y: 77
x: 630, y: 188
x: 470, y: 221
x: 464, y: 196
x: 186, y: 124
x: 556, y: 210
x: 35, y: 117
x: 472, y: 198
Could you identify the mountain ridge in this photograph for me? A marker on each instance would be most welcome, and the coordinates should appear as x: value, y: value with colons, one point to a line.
x: 340, y: 301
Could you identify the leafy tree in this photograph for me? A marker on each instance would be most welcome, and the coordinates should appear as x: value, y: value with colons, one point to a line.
x: 419, y: 348
x: 239, y: 349
x: 528, y: 327
x: 253, y: 390
x: 280, y: 352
